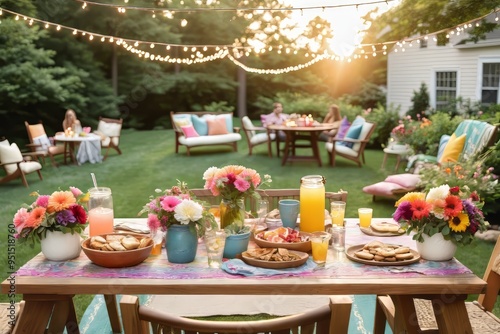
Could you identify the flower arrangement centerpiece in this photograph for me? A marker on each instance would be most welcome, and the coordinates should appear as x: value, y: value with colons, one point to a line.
x: 453, y: 212
x: 177, y: 206
x: 234, y: 183
x: 56, y: 221
x: 62, y: 211
x: 185, y: 218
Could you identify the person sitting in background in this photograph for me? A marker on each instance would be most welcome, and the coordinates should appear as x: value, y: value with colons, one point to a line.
x: 276, y: 118
x: 333, y: 117
x: 70, y: 121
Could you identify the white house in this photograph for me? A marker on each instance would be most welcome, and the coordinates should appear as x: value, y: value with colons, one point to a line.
x: 458, y: 69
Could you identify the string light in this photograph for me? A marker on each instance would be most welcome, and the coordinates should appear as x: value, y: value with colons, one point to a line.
x: 222, y: 51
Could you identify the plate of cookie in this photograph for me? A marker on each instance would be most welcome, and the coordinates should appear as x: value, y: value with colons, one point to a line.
x: 382, y: 229
x: 377, y: 253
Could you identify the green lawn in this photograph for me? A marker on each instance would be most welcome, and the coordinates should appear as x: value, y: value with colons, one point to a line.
x: 149, y: 161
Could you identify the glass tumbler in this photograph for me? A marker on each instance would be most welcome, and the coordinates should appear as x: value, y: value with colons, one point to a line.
x: 100, y: 211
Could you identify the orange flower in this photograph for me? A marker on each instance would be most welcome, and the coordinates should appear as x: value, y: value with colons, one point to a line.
x: 60, y: 200
x: 420, y: 209
x: 36, y: 217
x: 448, y: 170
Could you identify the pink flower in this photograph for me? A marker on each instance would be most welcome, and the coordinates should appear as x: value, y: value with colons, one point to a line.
x: 241, y: 184
x: 170, y: 202
x: 42, y: 200
x: 20, y: 219
x: 153, y: 222
x: 76, y: 192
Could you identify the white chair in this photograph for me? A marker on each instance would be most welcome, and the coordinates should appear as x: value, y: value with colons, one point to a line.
x: 14, y: 164
x: 109, y: 129
x: 254, y: 137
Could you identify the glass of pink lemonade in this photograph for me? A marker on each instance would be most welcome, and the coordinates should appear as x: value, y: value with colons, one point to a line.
x: 100, y: 211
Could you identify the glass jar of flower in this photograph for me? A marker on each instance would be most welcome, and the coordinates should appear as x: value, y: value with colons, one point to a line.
x: 441, y: 219
x: 185, y: 219
x: 56, y: 221
x: 234, y: 183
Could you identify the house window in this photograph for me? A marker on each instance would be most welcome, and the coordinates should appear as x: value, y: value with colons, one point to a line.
x: 446, y: 88
x: 490, y: 83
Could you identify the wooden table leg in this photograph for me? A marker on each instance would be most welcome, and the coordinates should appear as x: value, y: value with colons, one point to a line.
x: 405, y: 316
x: 314, y: 144
x: 384, y: 161
x: 287, y: 147
x: 114, y: 318
x: 451, y: 314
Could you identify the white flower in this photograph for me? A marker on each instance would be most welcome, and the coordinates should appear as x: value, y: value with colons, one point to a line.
x: 188, y: 211
x: 210, y: 173
x: 440, y: 192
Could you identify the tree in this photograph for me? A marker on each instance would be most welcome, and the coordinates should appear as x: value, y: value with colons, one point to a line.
x: 420, y: 102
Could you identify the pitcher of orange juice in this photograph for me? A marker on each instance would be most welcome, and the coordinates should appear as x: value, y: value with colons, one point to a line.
x: 312, y: 203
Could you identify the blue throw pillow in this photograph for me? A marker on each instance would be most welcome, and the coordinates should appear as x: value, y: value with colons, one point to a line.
x: 353, y: 133
x: 200, y: 124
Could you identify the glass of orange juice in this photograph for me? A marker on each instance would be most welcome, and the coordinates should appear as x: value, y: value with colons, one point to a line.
x: 365, y: 217
x: 319, y: 244
x: 337, y: 211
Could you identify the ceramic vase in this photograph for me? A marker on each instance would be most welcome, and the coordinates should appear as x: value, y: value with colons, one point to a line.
x: 232, y: 211
x: 58, y: 246
x: 235, y: 244
x: 436, y: 248
x: 181, y: 244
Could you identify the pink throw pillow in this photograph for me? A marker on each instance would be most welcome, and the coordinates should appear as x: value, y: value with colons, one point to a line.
x: 217, y: 126
x: 189, y: 131
x: 344, y: 127
x: 405, y: 180
x: 382, y: 188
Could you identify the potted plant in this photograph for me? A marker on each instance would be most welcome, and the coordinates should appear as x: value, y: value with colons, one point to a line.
x: 56, y: 221
x: 184, y: 218
x: 441, y: 219
x: 234, y: 184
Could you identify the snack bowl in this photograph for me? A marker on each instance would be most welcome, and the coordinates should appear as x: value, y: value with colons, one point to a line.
x: 118, y: 259
x: 303, y: 246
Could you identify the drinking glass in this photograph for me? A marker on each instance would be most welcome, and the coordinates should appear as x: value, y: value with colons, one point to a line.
x: 215, y: 242
x: 365, y: 217
x: 337, y: 211
x: 100, y: 211
x: 319, y: 244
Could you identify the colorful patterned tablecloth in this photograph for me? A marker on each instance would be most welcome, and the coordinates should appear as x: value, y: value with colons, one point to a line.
x: 158, y: 267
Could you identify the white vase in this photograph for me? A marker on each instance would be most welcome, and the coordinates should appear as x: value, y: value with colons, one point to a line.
x: 436, y: 248
x: 58, y: 246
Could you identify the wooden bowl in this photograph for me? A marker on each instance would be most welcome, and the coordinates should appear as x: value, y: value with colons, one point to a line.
x: 118, y: 259
x: 304, y: 246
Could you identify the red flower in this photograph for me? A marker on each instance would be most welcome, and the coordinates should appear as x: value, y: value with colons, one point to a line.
x: 454, y: 190
x: 453, y: 206
x: 79, y: 213
x: 474, y: 196
x: 420, y: 209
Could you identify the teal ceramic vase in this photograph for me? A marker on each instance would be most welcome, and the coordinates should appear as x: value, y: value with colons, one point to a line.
x: 181, y: 244
x: 236, y: 244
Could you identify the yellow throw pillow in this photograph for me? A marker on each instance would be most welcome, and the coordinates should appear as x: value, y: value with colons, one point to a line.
x: 453, y: 149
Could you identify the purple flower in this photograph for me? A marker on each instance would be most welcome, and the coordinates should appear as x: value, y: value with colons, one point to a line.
x: 403, y: 212
x: 65, y: 217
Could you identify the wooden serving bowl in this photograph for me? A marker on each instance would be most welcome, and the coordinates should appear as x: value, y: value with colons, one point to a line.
x: 118, y: 259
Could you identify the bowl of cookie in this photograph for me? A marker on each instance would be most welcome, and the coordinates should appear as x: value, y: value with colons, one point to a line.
x: 117, y: 250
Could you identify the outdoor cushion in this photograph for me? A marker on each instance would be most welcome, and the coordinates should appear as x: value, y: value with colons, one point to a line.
x: 405, y: 180
x: 261, y: 138
x: 9, y: 156
x: 341, y: 149
x: 200, y: 124
x: 362, y: 135
x: 353, y: 133
x: 181, y: 120
x: 344, y: 126
x: 217, y: 126
x: 43, y: 141
x: 453, y: 149
x: 383, y: 189
x: 189, y: 131
x: 442, y: 144
x: 209, y: 140
x: 30, y: 166
x: 247, y: 123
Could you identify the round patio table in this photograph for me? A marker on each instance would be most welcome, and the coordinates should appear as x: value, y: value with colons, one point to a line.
x: 294, y: 133
x: 89, y: 148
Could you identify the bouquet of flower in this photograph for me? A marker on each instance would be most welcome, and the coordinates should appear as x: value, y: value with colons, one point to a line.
x: 177, y: 206
x: 453, y: 211
x: 62, y: 211
x: 233, y: 182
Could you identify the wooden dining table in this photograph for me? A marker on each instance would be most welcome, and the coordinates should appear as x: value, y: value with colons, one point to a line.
x: 307, y: 134
x: 48, y: 287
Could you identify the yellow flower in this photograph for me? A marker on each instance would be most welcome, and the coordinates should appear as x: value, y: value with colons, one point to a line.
x: 459, y: 223
x: 85, y: 198
x: 410, y: 197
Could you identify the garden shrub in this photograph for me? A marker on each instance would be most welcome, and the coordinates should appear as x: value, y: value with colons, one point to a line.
x: 420, y: 101
x: 386, y: 120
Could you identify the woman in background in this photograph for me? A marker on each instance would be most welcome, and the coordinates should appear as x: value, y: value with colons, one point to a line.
x: 333, y: 117
x: 70, y: 121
